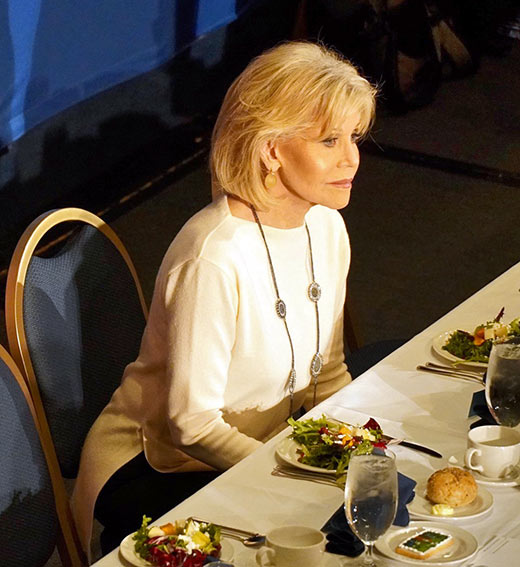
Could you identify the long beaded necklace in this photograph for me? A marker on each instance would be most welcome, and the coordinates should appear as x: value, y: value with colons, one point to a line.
x: 314, y: 294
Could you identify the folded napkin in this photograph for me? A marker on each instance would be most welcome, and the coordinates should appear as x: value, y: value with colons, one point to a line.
x: 341, y: 539
x: 215, y: 562
x: 479, y: 407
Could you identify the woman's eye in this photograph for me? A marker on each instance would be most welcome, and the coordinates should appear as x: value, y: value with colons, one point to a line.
x: 330, y: 142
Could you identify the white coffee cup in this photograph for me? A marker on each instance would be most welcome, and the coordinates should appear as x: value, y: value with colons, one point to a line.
x: 493, y: 450
x: 291, y: 546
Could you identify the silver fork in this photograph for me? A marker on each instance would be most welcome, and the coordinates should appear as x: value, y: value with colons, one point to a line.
x: 457, y: 370
x: 469, y: 376
x: 249, y: 539
x: 301, y: 474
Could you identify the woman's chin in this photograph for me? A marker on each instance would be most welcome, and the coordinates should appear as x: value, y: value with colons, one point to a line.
x: 337, y: 202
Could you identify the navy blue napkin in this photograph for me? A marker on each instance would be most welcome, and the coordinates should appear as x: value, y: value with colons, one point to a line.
x: 479, y: 407
x: 341, y: 539
x: 215, y: 562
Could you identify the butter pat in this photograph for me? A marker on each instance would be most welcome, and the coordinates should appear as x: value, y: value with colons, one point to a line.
x: 442, y: 510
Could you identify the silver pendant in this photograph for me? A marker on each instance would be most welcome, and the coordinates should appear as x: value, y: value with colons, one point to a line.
x: 281, y: 309
x: 314, y: 291
x: 316, y: 364
x: 291, y: 382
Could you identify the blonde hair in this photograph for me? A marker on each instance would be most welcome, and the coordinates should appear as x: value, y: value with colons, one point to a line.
x: 285, y: 92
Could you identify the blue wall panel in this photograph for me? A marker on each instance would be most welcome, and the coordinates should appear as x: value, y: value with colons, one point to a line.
x: 56, y: 53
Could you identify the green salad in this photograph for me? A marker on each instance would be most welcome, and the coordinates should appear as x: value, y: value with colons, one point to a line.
x: 476, y: 346
x: 187, y: 543
x: 329, y: 444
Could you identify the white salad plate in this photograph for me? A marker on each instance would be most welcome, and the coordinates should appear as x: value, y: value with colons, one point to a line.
x: 127, y: 550
x: 463, y: 548
x: 420, y: 507
x: 439, y: 341
x: 287, y: 451
x: 511, y: 479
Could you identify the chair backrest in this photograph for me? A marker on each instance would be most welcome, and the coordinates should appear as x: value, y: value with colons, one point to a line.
x: 30, y: 522
x: 350, y: 334
x: 74, y: 321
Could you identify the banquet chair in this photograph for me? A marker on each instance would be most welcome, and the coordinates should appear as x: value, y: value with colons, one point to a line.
x: 74, y: 318
x: 33, y: 507
x: 360, y: 357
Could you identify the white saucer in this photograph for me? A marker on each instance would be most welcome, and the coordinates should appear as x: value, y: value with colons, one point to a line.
x: 333, y: 560
x: 329, y: 560
x: 421, y: 507
x: 127, y: 550
x: 464, y: 546
x: 512, y: 479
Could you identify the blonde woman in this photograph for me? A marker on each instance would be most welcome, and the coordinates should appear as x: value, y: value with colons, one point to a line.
x: 246, y: 322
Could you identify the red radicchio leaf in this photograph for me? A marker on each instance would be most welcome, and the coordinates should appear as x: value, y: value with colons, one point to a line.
x: 176, y: 558
x: 371, y: 424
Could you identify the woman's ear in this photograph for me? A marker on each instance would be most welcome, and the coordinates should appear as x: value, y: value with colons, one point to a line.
x: 270, y: 157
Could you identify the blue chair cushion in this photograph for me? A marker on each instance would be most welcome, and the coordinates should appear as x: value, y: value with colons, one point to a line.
x: 83, y: 323
x: 28, y: 520
x: 365, y: 357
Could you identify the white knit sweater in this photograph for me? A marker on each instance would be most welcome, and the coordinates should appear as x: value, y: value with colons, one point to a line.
x: 210, y: 382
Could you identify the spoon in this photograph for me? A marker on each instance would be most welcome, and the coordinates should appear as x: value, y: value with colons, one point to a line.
x: 255, y: 540
x: 249, y: 539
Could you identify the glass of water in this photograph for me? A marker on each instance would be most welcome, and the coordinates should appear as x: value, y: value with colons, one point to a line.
x: 503, y: 382
x: 371, y: 498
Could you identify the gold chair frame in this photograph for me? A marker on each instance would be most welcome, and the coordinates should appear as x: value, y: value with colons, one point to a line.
x: 26, y: 248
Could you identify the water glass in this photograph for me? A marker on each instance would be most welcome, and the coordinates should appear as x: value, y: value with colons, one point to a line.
x: 371, y: 498
x: 503, y: 382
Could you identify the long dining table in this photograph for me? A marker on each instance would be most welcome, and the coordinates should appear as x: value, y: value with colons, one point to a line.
x: 409, y: 404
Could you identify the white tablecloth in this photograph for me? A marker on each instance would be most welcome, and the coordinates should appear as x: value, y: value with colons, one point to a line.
x: 409, y: 404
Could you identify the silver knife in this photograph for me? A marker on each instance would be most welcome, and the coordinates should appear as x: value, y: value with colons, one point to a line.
x: 415, y: 446
x: 409, y: 444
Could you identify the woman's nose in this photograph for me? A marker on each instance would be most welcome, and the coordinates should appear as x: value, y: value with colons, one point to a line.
x: 350, y: 156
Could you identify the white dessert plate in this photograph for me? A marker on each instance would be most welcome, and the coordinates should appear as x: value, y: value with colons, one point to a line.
x: 511, y: 479
x: 287, y: 451
x: 441, y: 340
x: 420, y: 507
x: 127, y: 550
x: 464, y: 546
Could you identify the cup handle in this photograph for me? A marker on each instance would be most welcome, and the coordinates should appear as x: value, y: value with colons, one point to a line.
x: 467, y: 459
x: 265, y: 553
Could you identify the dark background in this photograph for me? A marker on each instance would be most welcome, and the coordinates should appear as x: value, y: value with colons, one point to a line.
x: 435, y: 207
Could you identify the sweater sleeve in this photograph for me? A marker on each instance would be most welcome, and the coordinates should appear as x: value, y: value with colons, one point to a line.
x: 201, y: 303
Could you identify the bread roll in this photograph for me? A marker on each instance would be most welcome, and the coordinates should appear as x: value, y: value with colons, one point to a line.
x: 452, y: 486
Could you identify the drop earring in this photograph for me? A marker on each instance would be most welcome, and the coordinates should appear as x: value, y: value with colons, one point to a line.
x: 270, y: 180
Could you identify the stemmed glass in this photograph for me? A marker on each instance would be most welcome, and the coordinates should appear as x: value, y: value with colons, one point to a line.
x: 371, y: 498
x: 503, y: 382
